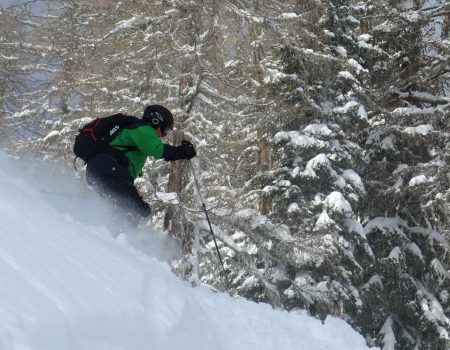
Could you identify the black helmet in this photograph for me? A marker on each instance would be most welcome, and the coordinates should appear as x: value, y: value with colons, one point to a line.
x: 158, y: 116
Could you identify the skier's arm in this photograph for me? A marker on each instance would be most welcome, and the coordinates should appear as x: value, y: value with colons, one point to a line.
x: 147, y: 141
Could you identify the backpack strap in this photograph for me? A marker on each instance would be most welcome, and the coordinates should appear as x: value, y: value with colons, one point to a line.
x: 90, y: 128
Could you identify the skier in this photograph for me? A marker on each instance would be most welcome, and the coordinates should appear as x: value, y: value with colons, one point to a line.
x: 112, y: 171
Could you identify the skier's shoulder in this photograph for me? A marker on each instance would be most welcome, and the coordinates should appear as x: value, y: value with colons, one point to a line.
x: 141, y: 131
x: 129, y: 122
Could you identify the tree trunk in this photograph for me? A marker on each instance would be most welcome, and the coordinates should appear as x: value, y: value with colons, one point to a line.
x: 263, y: 165
x: 175, y: 184
x: 173, y: 220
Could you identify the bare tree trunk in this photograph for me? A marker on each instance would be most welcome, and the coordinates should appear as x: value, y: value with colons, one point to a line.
x: 175, y: 184
x: 173, y: 220
x: 263, y: 165
x: 263, y: 152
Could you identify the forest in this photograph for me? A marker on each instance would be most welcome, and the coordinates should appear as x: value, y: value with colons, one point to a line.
x: 322, y: 130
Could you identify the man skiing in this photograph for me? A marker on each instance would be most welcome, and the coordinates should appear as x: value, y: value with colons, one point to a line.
x: 112, y: 171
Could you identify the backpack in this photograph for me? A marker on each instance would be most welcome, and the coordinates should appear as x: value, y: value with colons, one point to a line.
x: 95, y: 136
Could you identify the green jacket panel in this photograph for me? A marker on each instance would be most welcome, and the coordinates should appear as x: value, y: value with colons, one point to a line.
x: 147, y: 142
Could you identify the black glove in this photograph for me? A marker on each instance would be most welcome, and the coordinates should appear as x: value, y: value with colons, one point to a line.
x: 187, y: 150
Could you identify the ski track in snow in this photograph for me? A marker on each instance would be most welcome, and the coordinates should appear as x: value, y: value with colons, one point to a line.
x: 67, y: 284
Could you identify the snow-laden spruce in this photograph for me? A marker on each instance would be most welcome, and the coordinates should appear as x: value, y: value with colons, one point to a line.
x: 68, y: 284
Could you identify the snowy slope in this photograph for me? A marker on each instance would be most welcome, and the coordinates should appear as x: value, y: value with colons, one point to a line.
x: 66, y: 283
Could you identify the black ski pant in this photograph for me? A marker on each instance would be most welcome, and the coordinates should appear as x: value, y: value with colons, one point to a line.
x: 111, y: 179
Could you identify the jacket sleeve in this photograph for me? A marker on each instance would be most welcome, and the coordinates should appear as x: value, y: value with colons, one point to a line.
x: 148, y: 142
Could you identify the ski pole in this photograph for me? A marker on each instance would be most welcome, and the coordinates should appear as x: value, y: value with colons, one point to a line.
x: 197, y: 185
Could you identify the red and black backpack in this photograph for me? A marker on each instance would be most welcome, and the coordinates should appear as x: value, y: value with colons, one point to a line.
x: 95, y: 136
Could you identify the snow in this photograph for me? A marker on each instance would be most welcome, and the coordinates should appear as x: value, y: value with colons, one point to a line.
x: 288, y: 15
x: 364, y: 45
x: 323, y: 221
x: 67, y: 283
x: 347, y: 75
x: 133, y: 22
x: 433, y: 236
x: 355, y: 226
x: 231, y: 63
x: 276, y: 76
x: 352, y: 19
x: 400, y: 169
x: 439, y: 270
x: 386, y: 225
x: 362, y: 112
x: 420, y: 179
x: 351, y: 105
x: 297, y: 139
x: 388, y: 334
x: 341, y: 51
x: 365, y: 37
x: 352, y: 177
x: 335, y: 201
x: 51, y: 134
x: 346, y: 108
x: 414, y: 249
x: 388, y: 143
x: 405, y: 111
x: 320, y: 161
x: 355, y: 64
x: 374, y: 281
x: 321, y: 129
x: 421, y: 129
x: 293, y: 208
x: 238, y: 235
x: 340, y: 182
x: 433, y: 311
x: 395, y: 254
x: 169, y: 197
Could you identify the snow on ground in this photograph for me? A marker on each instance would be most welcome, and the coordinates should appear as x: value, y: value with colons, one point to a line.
x: 68, y: 284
